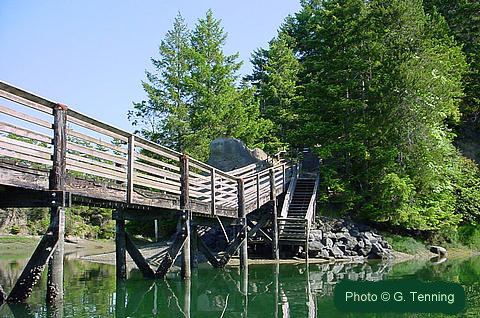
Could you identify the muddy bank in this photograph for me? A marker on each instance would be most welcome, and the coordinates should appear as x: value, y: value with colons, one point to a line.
x: 100, y: 251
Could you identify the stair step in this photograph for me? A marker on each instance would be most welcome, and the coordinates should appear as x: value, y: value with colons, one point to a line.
x: 292, y: 236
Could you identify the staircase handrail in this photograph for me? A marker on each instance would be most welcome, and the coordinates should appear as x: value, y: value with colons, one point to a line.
x: 291, y: 189
x: 310, y: 215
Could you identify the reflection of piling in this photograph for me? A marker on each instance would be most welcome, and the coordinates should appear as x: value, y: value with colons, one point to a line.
x: 55, y: 310
x: 244, y: 290
x: 277, y: 273
x: 120, y: 299
x: 21, y: 310
x: 187, y: 297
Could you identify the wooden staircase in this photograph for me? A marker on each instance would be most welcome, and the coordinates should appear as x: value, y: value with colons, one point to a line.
x: 298, y: 211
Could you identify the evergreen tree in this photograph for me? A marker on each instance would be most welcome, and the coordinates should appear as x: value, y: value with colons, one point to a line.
x: 164, y: 118
x: 218, y: 107
x: 463, y: 18
x: 379, y: 83
x: 275, y: 79
x: 193, y: 96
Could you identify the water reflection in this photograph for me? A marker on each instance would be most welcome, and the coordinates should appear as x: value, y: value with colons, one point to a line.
x: 272, y: 291
x: 278, y: 291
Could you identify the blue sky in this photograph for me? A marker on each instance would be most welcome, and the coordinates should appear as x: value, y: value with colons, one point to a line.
x: 92, y: 55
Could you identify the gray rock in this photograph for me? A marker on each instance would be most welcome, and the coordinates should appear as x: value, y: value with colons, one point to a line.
x: 386, y: 245
x: 440, y: 251
x: 229, y: 153
x: 355, y: 232
x: 370, y: 237
x: 315, y: 246
x: 315, y: 235
x: 341, y: 235
x: 379, y: 251
x: 327, y: 242
x: 341, y: 247
x: 360, y: 244
x: 336, y: 252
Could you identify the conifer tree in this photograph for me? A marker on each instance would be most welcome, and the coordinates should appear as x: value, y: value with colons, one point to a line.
x: 164, y: 117
x: 194, y: 95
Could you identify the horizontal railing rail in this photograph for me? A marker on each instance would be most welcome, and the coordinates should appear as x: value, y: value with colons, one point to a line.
x: 144, y: 169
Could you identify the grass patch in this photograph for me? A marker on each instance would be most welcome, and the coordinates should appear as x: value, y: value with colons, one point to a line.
x: 17, y: 239
x: 13, y: 247
x: 404, y: 244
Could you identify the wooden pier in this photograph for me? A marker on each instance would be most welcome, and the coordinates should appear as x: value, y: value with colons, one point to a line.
x: 54, y: 156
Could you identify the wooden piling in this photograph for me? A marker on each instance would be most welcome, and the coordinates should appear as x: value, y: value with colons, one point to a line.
x: 273, y: 198
x: 186, y: 216
x: 120, y: 249
x: 57, y: 182
x: 194, y: 245
x: 243, y: 222
x: 186, y: 270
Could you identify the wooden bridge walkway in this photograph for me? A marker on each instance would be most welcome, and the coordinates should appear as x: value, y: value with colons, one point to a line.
x: 54, y: 156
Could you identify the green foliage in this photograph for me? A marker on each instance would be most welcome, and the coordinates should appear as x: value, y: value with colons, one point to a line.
x: 15, y: 229
x: 192, y: 95
x: 38, y: 220
x: 377, y: 86
x: 166, y: 227
x: 275, y: 77
x: 89, y: 222
x: 469, y: 235
x: 404, y: 244
x: 463, y: 19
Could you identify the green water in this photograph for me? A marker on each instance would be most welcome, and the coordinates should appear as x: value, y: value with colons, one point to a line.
x: 282, y: 291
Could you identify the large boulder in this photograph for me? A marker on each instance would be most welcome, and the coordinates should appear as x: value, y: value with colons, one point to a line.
x: 229, y: 154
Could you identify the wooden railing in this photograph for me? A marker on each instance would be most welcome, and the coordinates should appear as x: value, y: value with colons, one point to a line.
x: 98, y: 151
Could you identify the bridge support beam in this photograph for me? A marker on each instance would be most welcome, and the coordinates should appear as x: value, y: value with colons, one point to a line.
x: 273, y: 198
x: 57, y: 182
x: 186, y: 270
x: 120, y: 250
x: 194, y: 245
x: 186, y: 216
x: 243, y: 231
x: 35, y: 266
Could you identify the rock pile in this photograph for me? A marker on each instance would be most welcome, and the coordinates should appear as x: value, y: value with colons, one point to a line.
x: 342, y: 238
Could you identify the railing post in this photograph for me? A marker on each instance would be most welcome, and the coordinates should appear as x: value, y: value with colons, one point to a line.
x: 130, y: 168
x: 57, y: 182
x: 186, y: 215
x: 273, y: 198
x: 213, y: 189
x: 258, y: 190
x: 284, y: 181
x: 243, y: 224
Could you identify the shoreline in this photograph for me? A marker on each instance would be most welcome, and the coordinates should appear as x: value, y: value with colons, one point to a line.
x: 100, y: 251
